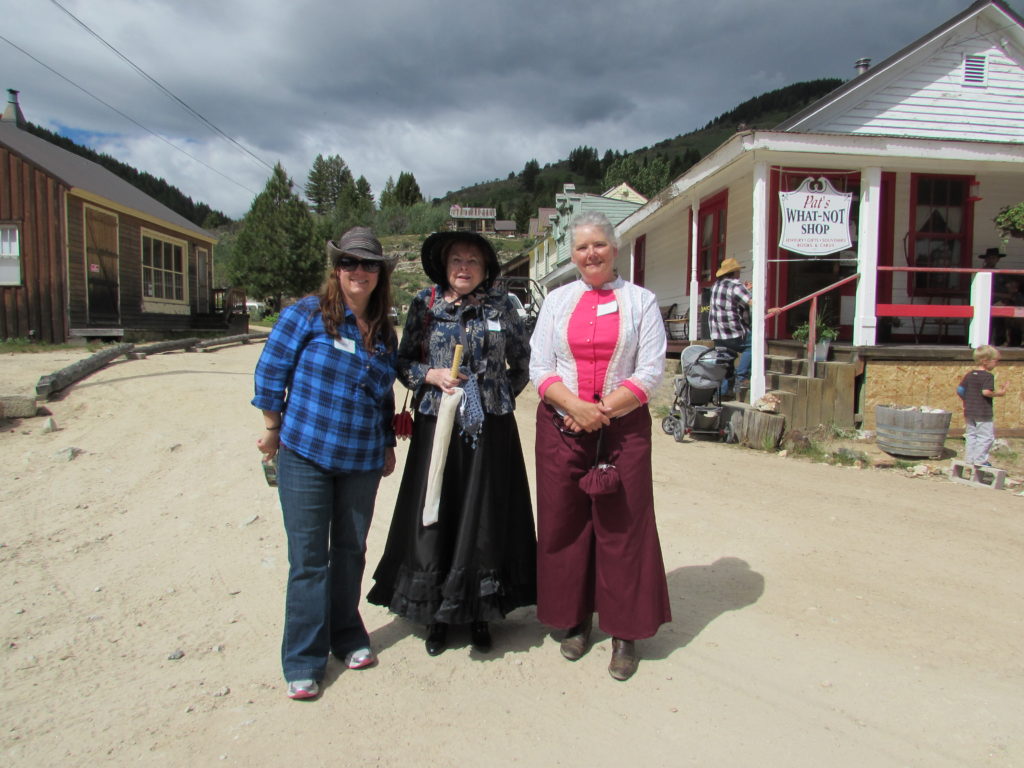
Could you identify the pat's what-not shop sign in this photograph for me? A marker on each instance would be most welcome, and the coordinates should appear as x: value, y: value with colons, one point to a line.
x: 815, y: 218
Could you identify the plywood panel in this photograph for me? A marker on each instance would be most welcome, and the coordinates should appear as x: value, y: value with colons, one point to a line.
x: 933, y: 384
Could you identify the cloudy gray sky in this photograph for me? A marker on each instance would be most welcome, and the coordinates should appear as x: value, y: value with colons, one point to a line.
x: 455, y: 92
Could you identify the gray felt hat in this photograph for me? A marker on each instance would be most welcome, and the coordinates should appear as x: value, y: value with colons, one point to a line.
x: 361, y: 243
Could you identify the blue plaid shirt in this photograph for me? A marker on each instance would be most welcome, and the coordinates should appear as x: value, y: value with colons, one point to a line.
x: 336, y: 400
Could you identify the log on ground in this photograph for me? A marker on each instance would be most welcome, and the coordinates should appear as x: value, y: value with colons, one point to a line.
x: 55, y: 382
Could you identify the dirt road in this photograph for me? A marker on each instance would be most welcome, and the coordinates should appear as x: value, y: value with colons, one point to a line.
x: 822, y: 616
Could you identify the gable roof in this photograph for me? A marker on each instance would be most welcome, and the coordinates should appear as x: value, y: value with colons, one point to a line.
x: 859, y: 105
x: 92, y: 180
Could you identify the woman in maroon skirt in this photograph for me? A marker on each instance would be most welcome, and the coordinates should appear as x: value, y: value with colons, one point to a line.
x: 597, y: 355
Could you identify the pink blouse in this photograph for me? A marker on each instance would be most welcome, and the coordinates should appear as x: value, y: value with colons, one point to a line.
x: 593, y: 332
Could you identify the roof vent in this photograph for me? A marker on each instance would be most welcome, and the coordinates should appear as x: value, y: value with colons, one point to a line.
x: 975, y: 70
x: 13, y: 113
x: 862, y: 65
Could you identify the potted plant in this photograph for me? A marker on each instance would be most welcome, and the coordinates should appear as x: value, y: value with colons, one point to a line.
x: 825, y: 334
x: 1010, y: 221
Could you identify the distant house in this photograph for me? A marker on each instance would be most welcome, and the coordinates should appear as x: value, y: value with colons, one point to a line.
x: 505, y: 228
x: 541, y: 225
x: 85, y: 253
x: 470, y: 219
x: 625, y: 192
x: 550, y: 264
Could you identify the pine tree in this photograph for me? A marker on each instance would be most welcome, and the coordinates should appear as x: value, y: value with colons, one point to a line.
x: 530, y: 173
x: 278, y: 252
x: 407, y: 191
x: 387, y: 195
x: 329, y: 179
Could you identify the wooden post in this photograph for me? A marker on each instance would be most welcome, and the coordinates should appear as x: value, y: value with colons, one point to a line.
x: 754, y: 428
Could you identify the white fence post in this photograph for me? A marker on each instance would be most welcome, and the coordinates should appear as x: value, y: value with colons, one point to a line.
x: 981, y: 300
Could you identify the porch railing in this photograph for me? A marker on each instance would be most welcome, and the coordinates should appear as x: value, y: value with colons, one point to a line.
x: 978, y: 312
x: 812, y: 319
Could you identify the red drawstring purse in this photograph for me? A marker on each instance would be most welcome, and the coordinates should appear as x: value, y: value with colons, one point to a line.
x: 401, y: 423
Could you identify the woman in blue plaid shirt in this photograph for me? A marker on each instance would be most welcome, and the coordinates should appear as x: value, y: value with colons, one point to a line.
x: 324, y: 383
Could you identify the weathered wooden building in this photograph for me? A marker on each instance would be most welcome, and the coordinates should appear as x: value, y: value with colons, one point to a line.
x: 85, y: 253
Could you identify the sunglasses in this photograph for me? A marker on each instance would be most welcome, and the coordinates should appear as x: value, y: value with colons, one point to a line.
x: 348, y: 264
x: 559, y: 422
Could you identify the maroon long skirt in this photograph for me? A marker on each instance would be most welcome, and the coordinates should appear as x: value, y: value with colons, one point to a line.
x: 602, y: 553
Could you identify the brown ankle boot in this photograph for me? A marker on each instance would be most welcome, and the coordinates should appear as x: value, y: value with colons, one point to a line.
x: 575, y: 643
x: 624, y: 659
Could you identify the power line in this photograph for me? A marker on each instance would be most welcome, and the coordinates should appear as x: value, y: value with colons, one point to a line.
x: 122, y: 114
x: 159, y: 85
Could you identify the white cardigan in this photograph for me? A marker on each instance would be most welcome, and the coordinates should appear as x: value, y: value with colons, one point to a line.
x: 639, y: 354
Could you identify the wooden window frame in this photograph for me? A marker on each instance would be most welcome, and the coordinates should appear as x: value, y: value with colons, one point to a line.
x: 710, y: 256
x: 149, y: 270
x: 931, y: 284
x: 10, y: 257
x: 640, y: 260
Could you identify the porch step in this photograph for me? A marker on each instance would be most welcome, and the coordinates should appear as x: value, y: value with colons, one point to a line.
x: 827, y: 399
x: 782, y: 364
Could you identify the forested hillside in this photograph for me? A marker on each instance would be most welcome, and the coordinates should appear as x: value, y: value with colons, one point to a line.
x: 199, y: 214
x: 648, y: 169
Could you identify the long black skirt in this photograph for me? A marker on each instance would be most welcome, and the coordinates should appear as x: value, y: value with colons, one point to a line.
x: 479, y: 561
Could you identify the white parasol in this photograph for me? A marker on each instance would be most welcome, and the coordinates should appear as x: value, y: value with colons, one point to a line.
x: 439, y: 450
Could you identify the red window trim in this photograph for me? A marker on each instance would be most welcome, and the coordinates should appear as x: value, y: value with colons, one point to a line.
x: 717, y: 205
x: 639, y: 260
x: 966, y: 236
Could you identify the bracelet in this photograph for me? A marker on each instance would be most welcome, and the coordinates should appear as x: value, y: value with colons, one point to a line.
x: 273, y: 429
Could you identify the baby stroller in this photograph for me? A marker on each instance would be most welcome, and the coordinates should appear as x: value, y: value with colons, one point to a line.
x: 697, y: 407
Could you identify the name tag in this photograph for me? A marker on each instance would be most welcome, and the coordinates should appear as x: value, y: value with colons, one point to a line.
x: 345, y: 345
x: 493, y: 325
x: 607, y: 309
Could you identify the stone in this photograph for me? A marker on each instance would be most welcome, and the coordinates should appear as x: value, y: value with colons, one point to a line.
x: 17, y: 406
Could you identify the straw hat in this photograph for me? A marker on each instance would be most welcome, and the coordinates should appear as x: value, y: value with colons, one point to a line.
x: 729, y: 266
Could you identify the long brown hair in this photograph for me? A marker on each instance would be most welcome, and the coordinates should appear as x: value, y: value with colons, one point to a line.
x: 379, y: 327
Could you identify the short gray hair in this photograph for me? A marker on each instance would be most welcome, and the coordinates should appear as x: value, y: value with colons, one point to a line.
x: 594, y: 219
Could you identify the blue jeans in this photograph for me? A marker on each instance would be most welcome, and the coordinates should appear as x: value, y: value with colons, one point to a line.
x: 326, y: 518
x: 741, y: 367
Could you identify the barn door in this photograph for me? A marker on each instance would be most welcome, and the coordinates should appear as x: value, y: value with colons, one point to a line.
x: 101, y: 267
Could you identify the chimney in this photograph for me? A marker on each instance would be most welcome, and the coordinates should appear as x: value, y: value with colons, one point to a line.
x: 862, y: 65
x: 13, y: 113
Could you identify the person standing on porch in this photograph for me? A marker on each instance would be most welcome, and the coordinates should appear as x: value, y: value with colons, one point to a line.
x: 729, y: 319
x: 977, y: 389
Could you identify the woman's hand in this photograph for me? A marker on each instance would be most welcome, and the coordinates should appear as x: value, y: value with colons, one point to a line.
x: 586, y: 417
x: 442, y: 379
x: 269, y: 442
x: 389, y: 461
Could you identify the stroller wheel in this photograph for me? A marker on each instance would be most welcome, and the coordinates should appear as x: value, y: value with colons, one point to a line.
x: 669, y: 425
